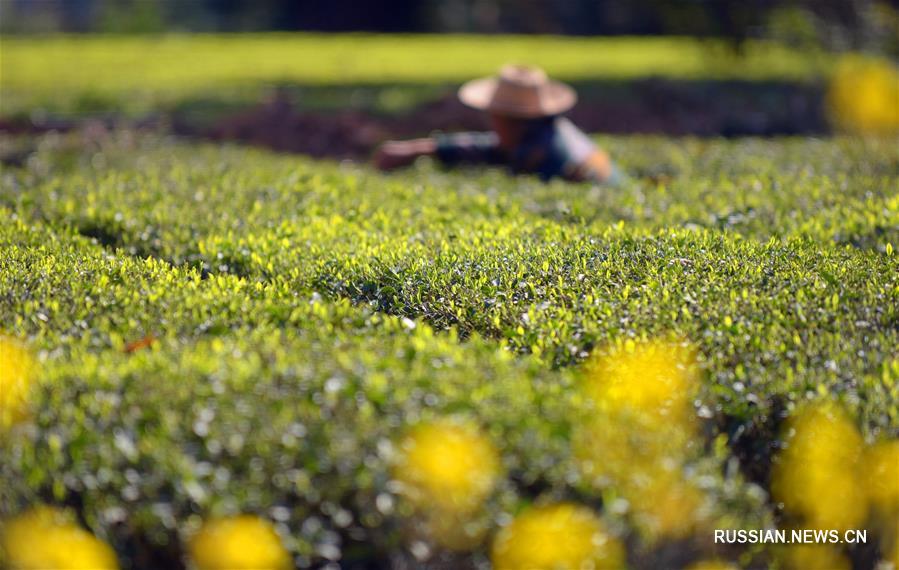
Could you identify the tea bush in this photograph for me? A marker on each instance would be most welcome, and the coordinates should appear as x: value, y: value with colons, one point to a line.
x: 254, y: 402
x: 222, y: 331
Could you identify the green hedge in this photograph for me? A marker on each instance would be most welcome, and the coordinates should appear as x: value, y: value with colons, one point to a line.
x: 305, y: 314
x: 252, y: 400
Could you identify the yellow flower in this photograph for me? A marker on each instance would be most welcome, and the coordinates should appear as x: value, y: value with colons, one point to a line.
x: 653, y: 379
x: 615, y: 449
x: 881, y: 469
x: 447, y: 466
x: 666, y: 505
x: 817, y: 556
x: 17, y: 370
x: 244, y: 542
x: 863, y: 96
x: 818, y: 476
x: 44, y: 538
x: 556, y: 537
x: 712, y: 565
x: 641, y: 433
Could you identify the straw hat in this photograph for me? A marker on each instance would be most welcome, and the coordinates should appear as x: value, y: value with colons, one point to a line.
x: 519, y: 91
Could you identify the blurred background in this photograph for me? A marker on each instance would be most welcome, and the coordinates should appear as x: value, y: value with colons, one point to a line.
x: 334, y: 79
x: 821, y: 24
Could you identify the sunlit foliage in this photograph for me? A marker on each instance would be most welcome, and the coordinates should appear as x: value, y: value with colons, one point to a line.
x: 309, y: 317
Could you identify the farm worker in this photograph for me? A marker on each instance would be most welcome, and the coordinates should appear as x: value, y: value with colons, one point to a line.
x: 529, y: 134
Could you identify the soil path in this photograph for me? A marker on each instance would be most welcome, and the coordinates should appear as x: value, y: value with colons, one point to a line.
x: 646, y: 106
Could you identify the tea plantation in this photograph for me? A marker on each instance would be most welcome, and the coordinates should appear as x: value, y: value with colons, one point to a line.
x: 221, y: 330
x: 218, y: 357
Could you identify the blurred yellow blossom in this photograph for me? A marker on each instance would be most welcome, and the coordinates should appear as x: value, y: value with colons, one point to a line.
x: 448, y: 466
x: 642, y: 399
x: 815, y: 556
x: 615, y: 449
x: 243, y: 542
x: 712, y: 565
x: 556, y: 537
x: 44, y: 538
x: 655, y: 379
x: 642, y: 432
x: 666, y: 505
x: 863, y: 95
x: 818, y: 475
x: 881, y: 470
x: 17, y: 371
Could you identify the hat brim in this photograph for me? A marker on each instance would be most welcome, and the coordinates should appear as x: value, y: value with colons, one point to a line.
x: 554, y: 98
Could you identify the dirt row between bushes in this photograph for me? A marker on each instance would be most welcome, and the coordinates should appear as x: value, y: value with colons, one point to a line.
x: 651, y: 106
